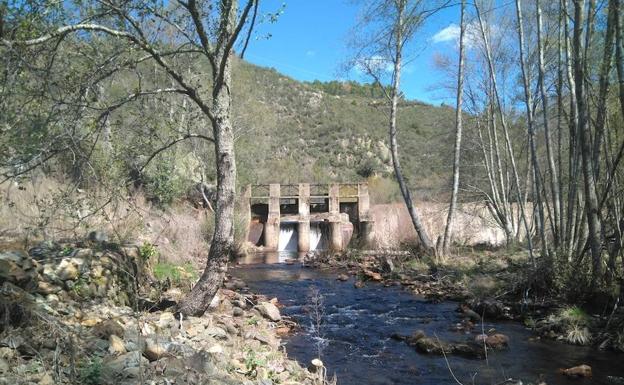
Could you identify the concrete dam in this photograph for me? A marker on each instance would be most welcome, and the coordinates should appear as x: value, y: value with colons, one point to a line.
x: 304, y: 217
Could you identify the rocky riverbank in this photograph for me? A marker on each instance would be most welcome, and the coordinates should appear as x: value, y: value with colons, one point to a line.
x: 487, y: 287
x: 91, y: 313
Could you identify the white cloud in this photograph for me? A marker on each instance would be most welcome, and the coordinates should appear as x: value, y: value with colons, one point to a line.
x: 375, y: 63
x: 472, y: 38
x: 450, y: 33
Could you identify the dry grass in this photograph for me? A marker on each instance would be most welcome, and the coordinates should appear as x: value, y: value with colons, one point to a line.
x: 47, y: 209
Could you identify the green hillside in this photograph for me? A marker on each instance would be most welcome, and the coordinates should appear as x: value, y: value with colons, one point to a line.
x: 299, y: 132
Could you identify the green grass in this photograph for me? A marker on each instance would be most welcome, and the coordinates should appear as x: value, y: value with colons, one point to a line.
x: 175, y: 273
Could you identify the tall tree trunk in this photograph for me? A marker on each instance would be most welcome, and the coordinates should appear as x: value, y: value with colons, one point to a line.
x: 528, y: 100
x: 222, y: 246
x: 591, y: 199
x: 603, y: 90
x: 458, y: 133
x: 552, y: 169
x: 394, y: 150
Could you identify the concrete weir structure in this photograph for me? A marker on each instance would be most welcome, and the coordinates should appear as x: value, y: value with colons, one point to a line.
x: 321, y: 216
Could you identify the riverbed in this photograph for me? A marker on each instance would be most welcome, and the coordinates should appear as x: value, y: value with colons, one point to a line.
x: 355, y: 339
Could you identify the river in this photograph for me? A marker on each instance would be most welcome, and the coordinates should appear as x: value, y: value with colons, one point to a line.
x: 358, y: 324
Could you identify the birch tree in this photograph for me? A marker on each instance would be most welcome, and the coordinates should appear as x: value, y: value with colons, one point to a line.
x: 458, y: 131
x: 387, y: 26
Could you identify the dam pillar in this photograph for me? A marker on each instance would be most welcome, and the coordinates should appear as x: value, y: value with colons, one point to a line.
x: 303, y: 227
x: 364, y: 218
x: 335, y: 224
x: 334, y: 199
x: 335, y: 235
x: 272, y: 228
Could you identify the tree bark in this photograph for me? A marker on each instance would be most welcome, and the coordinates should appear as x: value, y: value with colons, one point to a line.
x: 552, y: 169
x: 528, y: 101
x: 396, y: 81
x: 591, y: 199
x: 222, y: 246
x: 458, y: 133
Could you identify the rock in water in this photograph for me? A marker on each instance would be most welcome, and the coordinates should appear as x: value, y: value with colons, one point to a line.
x: 584, y: 371
x: 270, y: 311
x: 495, y: 341
x: 342, y: 277
x: 373, y: 275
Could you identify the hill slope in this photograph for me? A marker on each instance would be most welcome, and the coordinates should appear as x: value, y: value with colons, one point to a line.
x: 294, y: 132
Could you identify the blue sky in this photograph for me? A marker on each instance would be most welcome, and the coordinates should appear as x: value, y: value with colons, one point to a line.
x: 309, y: 41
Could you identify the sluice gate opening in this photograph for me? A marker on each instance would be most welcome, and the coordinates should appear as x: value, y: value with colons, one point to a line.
x: 304, y: 217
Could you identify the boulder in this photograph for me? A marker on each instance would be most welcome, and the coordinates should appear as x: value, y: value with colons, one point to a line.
x: 154, y: 349
x: 430, y: 345
x: 123, y: 365
x: 359, y: 284
x: 342, y: 277
x: 117, y: 345
x: 495, y: 341
x: 270, y: 311
x: 584, y: 371
x: 491, y: 309
x: 17, y: 268
x: 372, y: 275
x: 107, y: 328
x: 67, y: 270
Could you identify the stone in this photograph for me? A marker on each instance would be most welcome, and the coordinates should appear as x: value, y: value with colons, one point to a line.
x: 492, y: 309
x: 372, y: 275
x: 342, y: 277
x: 270, y: 311
x: 16, y: 267
x: 117, y: 345
x: 359, y: 284
x: 495, y: 341
x: 238, y: 312
x: 154, y: 349
x: 123, y: 363
x: 47, y: 380
x: 166, y: 320
x: 584, y: 371
x: 66, y: 270
x: 4, y: 366
x: 216, y: 332
x: 430, y: 345
x: 215, y: 349
x: 44, y: 287
x: 107, y: 328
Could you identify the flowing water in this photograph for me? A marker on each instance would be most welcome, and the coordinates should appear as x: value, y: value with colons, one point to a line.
x: 357, y: 326
x: 288, y: 237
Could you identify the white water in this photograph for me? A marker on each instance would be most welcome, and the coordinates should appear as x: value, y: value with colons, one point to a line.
x: 289, y: 237
x: 318, y: 240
